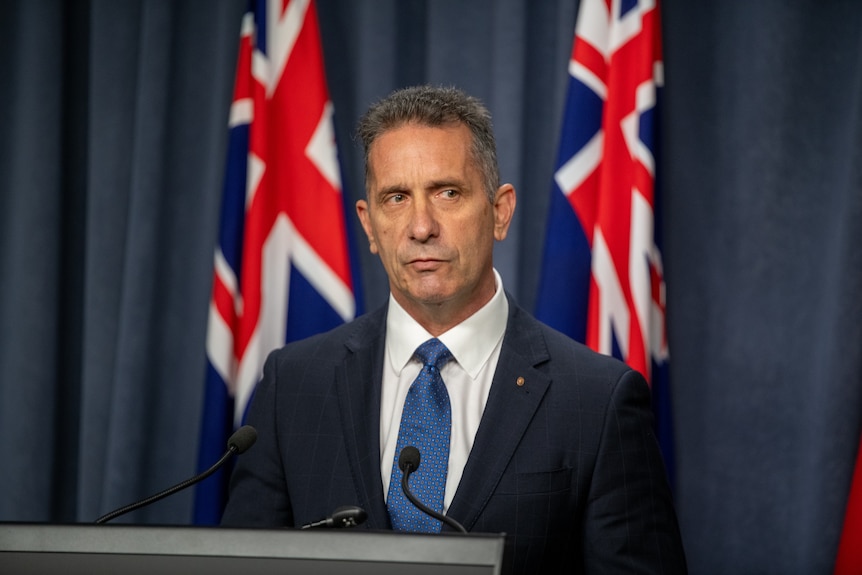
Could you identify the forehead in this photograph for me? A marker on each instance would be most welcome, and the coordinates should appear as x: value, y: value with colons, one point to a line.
x: 415, y: 149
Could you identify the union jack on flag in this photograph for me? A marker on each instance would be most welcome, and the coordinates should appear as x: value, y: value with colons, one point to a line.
x: 282, y: 264
x: 602, y: 278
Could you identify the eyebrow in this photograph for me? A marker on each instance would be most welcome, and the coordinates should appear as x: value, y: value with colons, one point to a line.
x: 439, y: 184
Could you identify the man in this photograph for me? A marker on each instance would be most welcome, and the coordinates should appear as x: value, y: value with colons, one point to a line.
x: 530, y: 433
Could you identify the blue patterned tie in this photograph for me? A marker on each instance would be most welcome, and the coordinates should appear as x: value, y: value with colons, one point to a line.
x: 425, y: 424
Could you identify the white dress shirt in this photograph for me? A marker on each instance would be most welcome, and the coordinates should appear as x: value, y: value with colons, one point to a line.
x: 475, y: 345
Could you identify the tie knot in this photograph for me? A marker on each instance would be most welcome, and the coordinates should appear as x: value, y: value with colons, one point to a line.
x: 433, y: 353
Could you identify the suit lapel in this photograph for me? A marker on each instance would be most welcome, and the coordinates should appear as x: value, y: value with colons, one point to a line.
x: 358, y: 384
x: 508, y: 412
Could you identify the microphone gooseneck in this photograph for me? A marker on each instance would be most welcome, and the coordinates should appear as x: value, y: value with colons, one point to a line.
x: 241, y: 440
x: 408, y: 462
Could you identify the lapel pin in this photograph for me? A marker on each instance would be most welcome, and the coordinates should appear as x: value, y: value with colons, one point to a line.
x: 519, y: 382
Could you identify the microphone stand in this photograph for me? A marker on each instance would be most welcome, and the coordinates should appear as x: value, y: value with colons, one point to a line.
x: 239, y: 442
x: 406, y: 471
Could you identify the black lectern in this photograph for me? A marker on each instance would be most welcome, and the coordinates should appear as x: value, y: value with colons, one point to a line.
x: 96, y: 549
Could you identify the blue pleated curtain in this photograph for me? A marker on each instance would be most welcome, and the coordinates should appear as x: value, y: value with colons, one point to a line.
x: 113, y: 120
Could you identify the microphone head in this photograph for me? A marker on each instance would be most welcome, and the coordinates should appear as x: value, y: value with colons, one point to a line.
x: 348, y: 516
x: 242, y: 439
x: 409, y: 456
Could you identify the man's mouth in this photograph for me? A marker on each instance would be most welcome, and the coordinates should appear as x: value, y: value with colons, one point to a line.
x: 425, y: 264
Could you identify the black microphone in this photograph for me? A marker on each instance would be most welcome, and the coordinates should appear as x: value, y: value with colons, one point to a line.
x: 408, y: 462
x: 348, y: 516
x: 239, y: 442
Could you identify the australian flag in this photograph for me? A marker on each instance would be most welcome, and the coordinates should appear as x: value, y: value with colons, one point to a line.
x: 602, y: 278
x: 282, y: 268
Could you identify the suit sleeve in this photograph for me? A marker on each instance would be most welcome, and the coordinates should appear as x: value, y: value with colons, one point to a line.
x: 258, y: 490
x: 630, y: 523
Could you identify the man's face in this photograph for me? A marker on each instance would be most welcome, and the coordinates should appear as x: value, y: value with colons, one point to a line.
x: 429, y: 219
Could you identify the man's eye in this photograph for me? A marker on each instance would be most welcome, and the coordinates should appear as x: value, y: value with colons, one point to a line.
x: 450, y: 194
x: 396, y: 198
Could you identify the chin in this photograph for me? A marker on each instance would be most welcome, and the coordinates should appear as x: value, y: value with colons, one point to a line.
x: 434, y: 298
x: 431, y: 294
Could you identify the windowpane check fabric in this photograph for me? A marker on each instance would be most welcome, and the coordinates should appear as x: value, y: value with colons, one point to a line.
x: 425, y: 424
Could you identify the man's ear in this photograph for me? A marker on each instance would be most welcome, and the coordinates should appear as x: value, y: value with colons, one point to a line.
x: 504, y: 210
x: 365, y: 220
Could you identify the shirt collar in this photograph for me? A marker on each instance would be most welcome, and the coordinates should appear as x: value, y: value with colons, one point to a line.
x: 471, y: 342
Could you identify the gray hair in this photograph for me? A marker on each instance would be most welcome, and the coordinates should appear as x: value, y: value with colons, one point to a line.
x: 435, y: 107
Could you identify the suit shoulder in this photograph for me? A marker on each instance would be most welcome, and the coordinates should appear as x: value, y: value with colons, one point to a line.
x: 557, y: 353
x: 336, y: 342
x: 561, y: 343
x: 558, y: 343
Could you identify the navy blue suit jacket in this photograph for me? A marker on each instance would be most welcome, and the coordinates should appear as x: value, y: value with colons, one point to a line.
x: 566, y: 464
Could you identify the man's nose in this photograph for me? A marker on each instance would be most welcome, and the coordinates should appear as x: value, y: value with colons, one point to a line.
x: 423, y: 220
